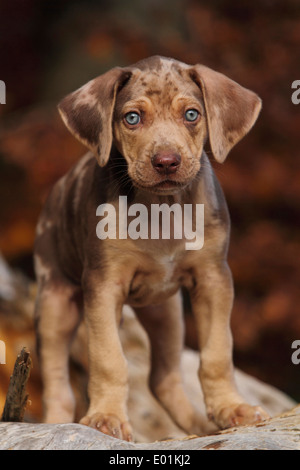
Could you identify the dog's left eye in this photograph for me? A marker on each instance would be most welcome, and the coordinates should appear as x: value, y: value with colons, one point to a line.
x: 132, y: 118
x: 191, y: 115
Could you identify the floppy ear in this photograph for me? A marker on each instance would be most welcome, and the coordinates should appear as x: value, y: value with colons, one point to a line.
x: 88, y: 111
x: 230, y: 108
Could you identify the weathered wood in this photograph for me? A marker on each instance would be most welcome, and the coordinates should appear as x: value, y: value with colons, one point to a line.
x: 16, y: 398
x: 280, y: 433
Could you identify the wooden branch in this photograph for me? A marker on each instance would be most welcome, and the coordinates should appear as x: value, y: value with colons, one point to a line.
x: 16, y: 398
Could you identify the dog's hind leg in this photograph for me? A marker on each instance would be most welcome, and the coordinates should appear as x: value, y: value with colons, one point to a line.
x: 57, y: 317
x: 164, y: 325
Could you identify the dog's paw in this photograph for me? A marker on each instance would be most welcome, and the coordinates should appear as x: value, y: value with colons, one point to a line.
x: 109, y: 424
x: 238, y: 415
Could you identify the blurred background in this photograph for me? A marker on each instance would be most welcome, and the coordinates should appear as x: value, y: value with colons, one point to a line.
x: 48, y: 49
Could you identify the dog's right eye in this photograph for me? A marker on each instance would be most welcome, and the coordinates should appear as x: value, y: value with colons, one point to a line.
x: 132, y: 118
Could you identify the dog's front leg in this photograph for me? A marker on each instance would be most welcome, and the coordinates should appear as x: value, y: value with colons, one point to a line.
x: 108, y: 381
x: 212, y: 298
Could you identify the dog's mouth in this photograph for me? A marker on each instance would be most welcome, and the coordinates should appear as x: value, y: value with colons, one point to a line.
x: 166, y: 187
x: 168, y: 184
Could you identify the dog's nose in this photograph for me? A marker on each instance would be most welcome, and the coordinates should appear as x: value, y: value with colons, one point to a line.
x: 166, y: 162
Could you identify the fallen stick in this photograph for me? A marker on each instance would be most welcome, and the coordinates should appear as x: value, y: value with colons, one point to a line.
x: 16, y: 398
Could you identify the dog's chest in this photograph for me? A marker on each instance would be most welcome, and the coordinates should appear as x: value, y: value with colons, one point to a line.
x: 156, y: 281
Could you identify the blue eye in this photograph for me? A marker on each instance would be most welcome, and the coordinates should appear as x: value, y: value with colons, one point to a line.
x: 132, y: 118
x: 191, y: 115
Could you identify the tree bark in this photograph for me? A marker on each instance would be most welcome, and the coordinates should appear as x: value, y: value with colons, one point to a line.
x: 279, y: 433
x: 16, y: 398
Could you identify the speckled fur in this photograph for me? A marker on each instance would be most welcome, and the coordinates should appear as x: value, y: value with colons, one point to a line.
x: 76, y: 270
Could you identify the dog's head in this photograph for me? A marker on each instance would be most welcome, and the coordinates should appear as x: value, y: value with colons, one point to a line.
x: 159, y: 114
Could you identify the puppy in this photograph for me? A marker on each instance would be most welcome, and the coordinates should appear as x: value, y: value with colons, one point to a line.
x: 145, y: 127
